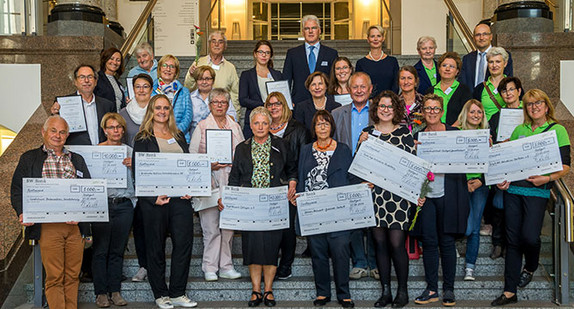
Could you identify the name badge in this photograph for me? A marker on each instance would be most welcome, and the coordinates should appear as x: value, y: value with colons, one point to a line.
x: 495, y: 91
x: 80, y: 174
x: 376, y: 133
x: 330, y: 153
x: 324, y: 63
x: 434, y: 75
x: 448, y: 90
x: 215, y: 66
x: 171, y: 141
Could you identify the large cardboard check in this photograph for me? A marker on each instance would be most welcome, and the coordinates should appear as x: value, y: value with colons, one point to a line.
x: 519, y: 159
x: 336, y: 209
x: 254, y: 209
x: 390, y: 168
x: 172, y: 174
x: 455, y: 151
x: 52, y: 200
x: 105, y: 162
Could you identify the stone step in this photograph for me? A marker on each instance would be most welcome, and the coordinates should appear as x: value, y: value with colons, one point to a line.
x: 303, y: 288
x: 485, y: 266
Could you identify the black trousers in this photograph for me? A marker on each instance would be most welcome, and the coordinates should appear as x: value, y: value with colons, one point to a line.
x: 337, y: 246
x: 175, y: 219
x: 288, y: 241
x: 432, y: 218
x: 110, y: 240
x: 524, y: 216
x: 139, y: 236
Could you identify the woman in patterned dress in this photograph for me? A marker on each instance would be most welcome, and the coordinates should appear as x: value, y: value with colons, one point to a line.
x: 391, y: 211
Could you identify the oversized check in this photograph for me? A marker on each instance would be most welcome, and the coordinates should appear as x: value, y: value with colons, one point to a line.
x: 51, y: 200
x: 254, y: 209
x: 519, y: 159
x: 509, y: 119
x: 172, y: 174
x: 459, y: 151
x: 336, y: 209
x: 390, y: 168
x: 105, y: 162
x: 72, y: 109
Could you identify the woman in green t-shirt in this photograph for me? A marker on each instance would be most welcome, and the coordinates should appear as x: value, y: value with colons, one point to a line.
x: 525, y: 200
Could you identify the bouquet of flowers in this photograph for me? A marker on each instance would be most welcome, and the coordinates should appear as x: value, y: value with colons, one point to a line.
x: 198, y: 42
x: 425, y: 189
x: 418, y: 122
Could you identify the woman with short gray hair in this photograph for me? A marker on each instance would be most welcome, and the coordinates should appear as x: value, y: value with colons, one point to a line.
x: 146, y: 62
x: 427, y: 68
x: 486, y: 92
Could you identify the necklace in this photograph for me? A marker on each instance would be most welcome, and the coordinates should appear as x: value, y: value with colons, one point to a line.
x: 277, y: 127
x: 381, y: 57
x: 317, y: 107
x: 326, y: 147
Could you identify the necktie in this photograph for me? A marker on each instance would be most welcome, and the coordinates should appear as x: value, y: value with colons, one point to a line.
x: 481, y: 65
x: 312, y: 59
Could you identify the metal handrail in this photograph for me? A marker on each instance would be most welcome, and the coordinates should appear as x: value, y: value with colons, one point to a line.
x: 566, y: 195
x: 461, y: 23
x: 208, y: 18
x: 138, y: 27
x: 390, y: 24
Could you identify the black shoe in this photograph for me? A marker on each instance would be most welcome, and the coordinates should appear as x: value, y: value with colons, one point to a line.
x: 86, y: 278
x: 496, y: 252
x: 525, y: 278
x: 401, y: 300
x: 448, y: 299
x: 258, y: 299
x: 426, y: 298
x: 269, y: 302
x: 321, y: 302
x: 502, y: 300
x: 347, y: 303
x: 386, y: 297
x: 284, y: 273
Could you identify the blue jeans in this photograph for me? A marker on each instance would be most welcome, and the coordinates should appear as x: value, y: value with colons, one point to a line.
x: 477, y: 202
x: 359, y: 258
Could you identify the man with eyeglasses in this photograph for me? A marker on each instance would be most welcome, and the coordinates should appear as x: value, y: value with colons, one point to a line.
x: 305, y: 59
x: 474, y: 65
x: 225, y: 72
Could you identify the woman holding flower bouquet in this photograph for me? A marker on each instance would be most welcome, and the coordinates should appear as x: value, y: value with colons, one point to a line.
x: 442, y: 218
x: 410, y: 99
x: 391, y: 211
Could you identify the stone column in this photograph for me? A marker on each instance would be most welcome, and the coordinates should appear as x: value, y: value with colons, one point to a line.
x: 111, y: 9
x: 97, y: 3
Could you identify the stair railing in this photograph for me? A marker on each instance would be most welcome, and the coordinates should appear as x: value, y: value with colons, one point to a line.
x: 207, y: 23
x: 389, y: 37
x: 139, y: 32
x: 463, y: 28
x: 562, y: 239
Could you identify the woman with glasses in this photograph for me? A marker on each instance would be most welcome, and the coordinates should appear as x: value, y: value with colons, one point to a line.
x: 178, y: 95
x: 135, y: 111
x: 252, y: 89
x: 487, y: 91
x: 110, y: 238
x: 453, y: 93
x: 391, y: 210
x: 382, y: 68
x: 443, y: 216
x: 111, y: 68
x: 525, y: 200
x: 204, y: 77
x: 317, y: 85
x: 427, y: 67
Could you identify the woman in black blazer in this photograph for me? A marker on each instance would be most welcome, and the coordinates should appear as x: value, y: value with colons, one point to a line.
x: 163, y: 215
x: 252, y: 89
x: 261, y: 248
x: 427, y: 68
x: 317, y: 84
x: 108, y: 86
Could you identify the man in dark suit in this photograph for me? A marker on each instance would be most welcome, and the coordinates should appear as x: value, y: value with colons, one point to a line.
x: 85, y: 80
x: 307, y: 58
x: 474, y: 65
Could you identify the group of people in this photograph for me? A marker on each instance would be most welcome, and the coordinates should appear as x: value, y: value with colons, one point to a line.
x: 336, y: 108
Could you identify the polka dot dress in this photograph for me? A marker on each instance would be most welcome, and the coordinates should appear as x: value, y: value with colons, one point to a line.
x: 391, y: 210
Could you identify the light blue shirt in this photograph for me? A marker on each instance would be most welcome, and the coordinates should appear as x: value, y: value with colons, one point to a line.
x: 138, y: 70
x: 359, y: 121
x: 91, y: 114
x: 201, y: 110
x: 315, y: 50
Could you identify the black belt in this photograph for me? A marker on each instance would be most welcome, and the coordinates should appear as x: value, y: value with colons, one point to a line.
x: 117, y: 200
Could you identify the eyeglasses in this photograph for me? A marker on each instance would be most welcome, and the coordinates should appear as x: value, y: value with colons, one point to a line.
x: 505, y: 91
x: 263, y: 53
x: 477, y: 35
x: 86, y: 77
x: 383, y: 107
x: 165, y: 65
x: 342, y: 68
x: 205, y: 79
x: 113, y: 128
x: 323, y: 125
x: 537, y: 103
x: 220, y: 103
x: 447, y: 66
x: 432, y: 109
x: 307, y: 29
x: 217, y: 42
x: 274, y: 104
x: 139, y: 87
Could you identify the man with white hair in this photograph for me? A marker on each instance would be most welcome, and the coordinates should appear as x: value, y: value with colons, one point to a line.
x: 225, y: 73
x: 305, y: 59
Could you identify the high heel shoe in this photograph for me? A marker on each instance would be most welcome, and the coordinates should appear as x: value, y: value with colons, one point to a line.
x: 386, y: 297
x: 269, y: 302
x: 258, y: 299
